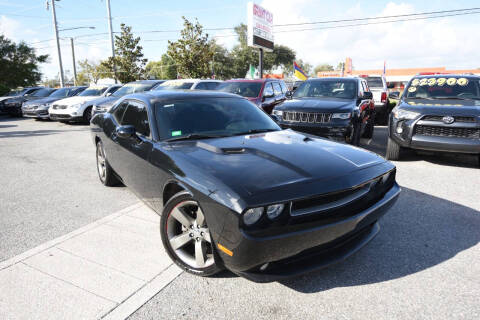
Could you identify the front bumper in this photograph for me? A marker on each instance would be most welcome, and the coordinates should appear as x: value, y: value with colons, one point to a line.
x: 36, y: 113
x: 303, y: 251
x: 330, y: 129
x: 13, y: 109
x: 409, y: 138
x: 64, y: 117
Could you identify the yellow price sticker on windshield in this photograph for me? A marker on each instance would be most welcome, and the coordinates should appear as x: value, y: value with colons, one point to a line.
x: 462, y: 82
x: 451, y: 81
x: 412, y: 89
x: 423, y: 82
x: 441, y: 81
x: 431, y: 82
x: 415, y: 82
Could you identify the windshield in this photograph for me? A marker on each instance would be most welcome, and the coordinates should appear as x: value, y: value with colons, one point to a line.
x: 342, y: 89
x: 374, y: 82
x: 42, y: 92
x: 62, y: 93
x: 13, y: 93
x: 132, y: 88
x: 175, y: 85
x: 245, y: 89
x: 443, y: 88
x: 93, y: 91
x: 216, y: 117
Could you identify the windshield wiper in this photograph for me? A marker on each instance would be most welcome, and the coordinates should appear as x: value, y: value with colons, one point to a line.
x: 252, y: 131
x: 193, y: 136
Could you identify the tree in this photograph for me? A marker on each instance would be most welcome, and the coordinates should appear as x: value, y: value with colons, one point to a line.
x: 222, y: 63
x: 92, y: 72
x: 193, y: 52
x: 322, y: 68
x: 19, y: 64
x: 128, y: 62
x: 340, y: 66
x: 163, y: 69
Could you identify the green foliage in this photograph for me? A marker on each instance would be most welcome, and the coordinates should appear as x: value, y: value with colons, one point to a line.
x: 91, y: 72
x: 3, y: 90
x: 340, y: 66
x: 163, y: 69
x: 19, y: 64
x: 222, y: 63
x: 128, y: 61
x: 193, y: 52
x: 322, y: 68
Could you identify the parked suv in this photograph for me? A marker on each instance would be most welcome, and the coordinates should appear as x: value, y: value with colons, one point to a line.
x: 437, y: 113
x: 189, y: 84
x: 378, y: 86
x: 330, y: 107
x: 264, y: 93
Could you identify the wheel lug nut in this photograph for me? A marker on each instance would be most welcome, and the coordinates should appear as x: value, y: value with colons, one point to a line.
x: 201, y: 233
x: 198, y: 239
x: 191, y: 235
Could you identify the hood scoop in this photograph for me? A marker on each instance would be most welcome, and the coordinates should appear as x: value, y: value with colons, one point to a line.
x: 233, y: 150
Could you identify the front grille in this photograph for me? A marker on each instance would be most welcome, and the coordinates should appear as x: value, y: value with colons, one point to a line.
x: 457, y: 119
x: 468, y: 133
x: 307, y: 117
x: 60, y: 116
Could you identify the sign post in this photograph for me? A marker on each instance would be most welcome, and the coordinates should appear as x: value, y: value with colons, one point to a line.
x: 260, y: 32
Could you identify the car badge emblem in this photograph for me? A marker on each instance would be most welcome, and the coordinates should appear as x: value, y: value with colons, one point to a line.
x: 448, y: 120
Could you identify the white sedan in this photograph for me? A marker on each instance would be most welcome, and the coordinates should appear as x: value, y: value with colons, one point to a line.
x: 78, y: 108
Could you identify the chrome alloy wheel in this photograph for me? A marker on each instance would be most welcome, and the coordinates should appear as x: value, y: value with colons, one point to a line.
x: 189, y: 236
x: 101, y: 162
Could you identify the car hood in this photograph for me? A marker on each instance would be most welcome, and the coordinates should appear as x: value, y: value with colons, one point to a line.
x: 75, y: 100
x: 443, y: 107
x: 42, y: 100
x: 278, y: 165
x: 310, y: 104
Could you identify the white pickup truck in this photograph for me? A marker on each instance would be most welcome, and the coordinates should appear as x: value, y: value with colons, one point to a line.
x: 378, y: 86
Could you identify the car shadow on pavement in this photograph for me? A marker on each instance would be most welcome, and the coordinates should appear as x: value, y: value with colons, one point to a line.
x: 36, y: 133
x: 419, y: 232
x: 379, y: 145
x: 7, y: 126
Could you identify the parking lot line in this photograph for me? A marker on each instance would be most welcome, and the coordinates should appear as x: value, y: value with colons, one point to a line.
x: 113, y: 265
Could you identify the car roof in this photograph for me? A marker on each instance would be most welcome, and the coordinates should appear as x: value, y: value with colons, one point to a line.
x: 181, y: 94
x: 333, y: 78
x: 253, y: 80
x: 145, y: 81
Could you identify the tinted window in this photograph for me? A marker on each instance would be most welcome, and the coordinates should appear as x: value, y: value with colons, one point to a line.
x: 30, y: 91
x: 63, y: 92
x: 333, y: 88
x: 118, y: 111
x: 243, y: 88
x: 284, y: 87
x: 132, y: 88
x: 93, y: 91
x: 136, y: 115
x: 276, y: 88
x: 268, y: 89
x: 201, y: 86
x: 42, y: 92
x: 207, y: 86
x: 111, y: 90
x: 174, y: 84
x: 375, y: 82
x: 217, y: 116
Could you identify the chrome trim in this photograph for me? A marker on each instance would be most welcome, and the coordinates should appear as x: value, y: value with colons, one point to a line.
x: 306, y: 117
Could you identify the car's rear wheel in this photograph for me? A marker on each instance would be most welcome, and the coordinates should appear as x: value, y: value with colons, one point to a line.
x: 186, y: 236
x: 394, y: 150
x: 105, y: 172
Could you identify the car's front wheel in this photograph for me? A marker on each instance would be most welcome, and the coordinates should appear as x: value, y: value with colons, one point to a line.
x: 87, y: 115
x: 353, y: 137
x: 105, y: 172
x: 394, y: 150
x: 186, y: 236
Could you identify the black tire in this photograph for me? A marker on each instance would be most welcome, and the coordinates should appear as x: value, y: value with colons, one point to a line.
x: 171, y: 228
x: 369, y: 128
x: 354, y: 137
x: 87, y: 115
x: 394, y: 150
x: 107, y: 176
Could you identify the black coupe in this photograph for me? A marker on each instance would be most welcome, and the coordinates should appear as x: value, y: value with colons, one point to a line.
x: 234, y: 190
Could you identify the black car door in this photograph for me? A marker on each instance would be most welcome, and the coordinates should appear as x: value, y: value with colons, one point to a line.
x: 268, y: 98
x: 134, y: 151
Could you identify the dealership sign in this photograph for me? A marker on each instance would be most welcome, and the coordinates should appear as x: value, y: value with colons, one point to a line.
x: 260, y: 24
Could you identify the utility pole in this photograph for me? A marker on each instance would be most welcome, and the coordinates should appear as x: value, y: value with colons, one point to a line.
x: 73, y: 61
x: 109, y: 13
x: 58, y: 42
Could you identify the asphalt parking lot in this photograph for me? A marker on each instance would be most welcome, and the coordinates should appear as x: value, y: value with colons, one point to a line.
x: 423, y: 264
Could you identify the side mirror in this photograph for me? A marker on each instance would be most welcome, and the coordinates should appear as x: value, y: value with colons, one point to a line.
x: 271, y: 95
x: 367, y: 95
x: 394, y: 95
x: 289, y: 94
x: 125, y: 131
x: 108, y: 94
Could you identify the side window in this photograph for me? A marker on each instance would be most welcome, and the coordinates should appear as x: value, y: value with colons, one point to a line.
x: 119, y: 110
x: 268, y: 90
x: 136, y: 115
x: 284, y: 87
x: 277, y: 89
x: 212, y: 85
x: 201, y: 86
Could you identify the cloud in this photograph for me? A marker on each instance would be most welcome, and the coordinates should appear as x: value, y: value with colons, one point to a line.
x: 9, y: 28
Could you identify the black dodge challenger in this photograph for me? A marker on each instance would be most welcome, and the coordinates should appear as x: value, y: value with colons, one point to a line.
x: 234, y: 190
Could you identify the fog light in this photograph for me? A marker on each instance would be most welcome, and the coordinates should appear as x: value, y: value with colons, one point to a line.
x: 74, y: 113
x: 274, y: 211
x: 252, y: 215
x: 399, y: 129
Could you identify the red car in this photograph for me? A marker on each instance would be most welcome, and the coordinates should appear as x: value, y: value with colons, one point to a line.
x: 264, y: 93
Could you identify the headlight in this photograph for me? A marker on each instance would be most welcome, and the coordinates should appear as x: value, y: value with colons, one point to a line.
x: 278, y: 113
x: 252, y: 215
x: 274, y: 211
x: 343, y: 116
x: 402, y: 114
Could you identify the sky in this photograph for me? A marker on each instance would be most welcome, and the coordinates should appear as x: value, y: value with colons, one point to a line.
x: 452, y: 42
